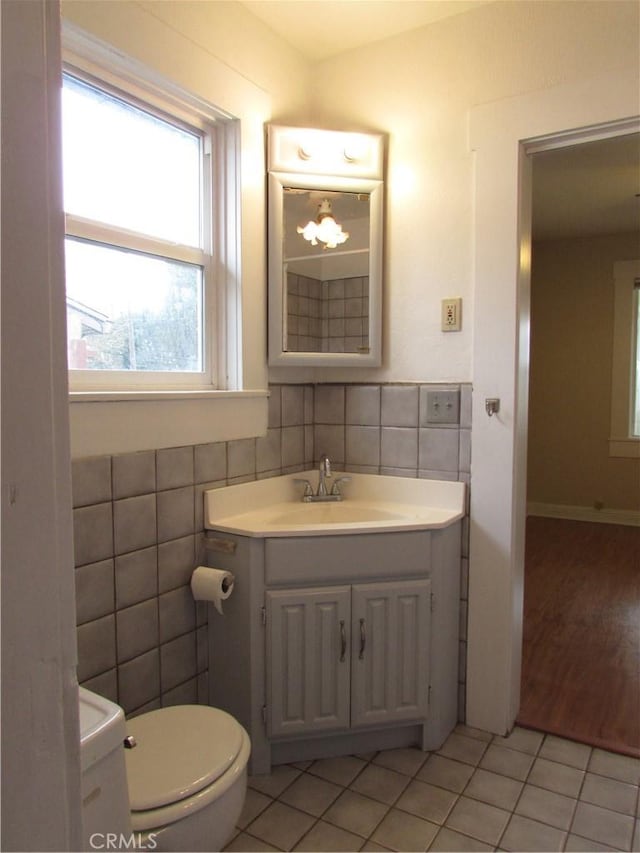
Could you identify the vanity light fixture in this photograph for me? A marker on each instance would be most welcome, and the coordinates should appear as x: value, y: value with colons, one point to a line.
x: 311, y: 151
x: 324, y: 228
x: 356, y: 149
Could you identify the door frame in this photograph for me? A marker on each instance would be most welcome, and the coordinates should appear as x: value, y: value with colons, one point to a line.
x: 503, y: 135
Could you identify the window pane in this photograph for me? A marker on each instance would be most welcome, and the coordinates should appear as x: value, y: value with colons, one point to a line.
x: 129, y: 311
x: 125, y: 167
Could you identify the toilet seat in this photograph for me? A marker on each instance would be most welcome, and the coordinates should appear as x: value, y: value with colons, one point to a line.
x: 186, y: 757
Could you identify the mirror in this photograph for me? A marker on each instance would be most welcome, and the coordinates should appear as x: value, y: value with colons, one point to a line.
x: 325, y: 256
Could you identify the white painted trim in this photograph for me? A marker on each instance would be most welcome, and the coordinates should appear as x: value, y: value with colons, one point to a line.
x: 501, y: 135
x: 41, y: 794
x: 146, y: 396
x: 126, y: 424
x: 220, y: 254
x: 622, y: 442
x: 585, y: 513
x: 94, y: 56
x: 628, y: 447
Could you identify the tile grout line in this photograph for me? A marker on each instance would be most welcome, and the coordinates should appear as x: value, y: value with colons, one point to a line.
x: 344, y: 788
x: 458, y: 794
x: 461, y: 793
x: 308, y: 814
x: 393, y: 805
x: 580, y: 790
x: 536, y: 755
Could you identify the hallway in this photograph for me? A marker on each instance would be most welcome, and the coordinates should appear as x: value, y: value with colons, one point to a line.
x: 581, y: 644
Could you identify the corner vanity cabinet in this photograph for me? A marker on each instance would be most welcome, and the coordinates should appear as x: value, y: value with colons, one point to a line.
x: 337, y: 644
x: 341, y: 656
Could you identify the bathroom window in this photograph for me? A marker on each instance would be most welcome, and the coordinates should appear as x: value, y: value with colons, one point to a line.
x: 625, y: 385
x: 140, y: 200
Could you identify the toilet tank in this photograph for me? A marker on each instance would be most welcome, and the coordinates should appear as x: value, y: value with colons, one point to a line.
x: 105, y: 797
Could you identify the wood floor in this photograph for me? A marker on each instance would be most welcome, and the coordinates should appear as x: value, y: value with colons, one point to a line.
x: 581, y: 650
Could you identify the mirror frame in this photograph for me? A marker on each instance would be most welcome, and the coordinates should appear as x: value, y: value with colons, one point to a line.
x: 349, y: 175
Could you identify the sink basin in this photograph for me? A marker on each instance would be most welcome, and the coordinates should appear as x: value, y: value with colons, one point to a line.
x: 371, y: 503
x: 334, y: 513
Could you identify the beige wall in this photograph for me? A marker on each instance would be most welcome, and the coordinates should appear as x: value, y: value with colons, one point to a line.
x: 419, y: 88
x: 190, y: 39
x: 570, y: 378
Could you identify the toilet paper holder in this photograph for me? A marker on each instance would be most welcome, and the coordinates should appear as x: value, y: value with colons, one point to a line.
x: 212, y: 585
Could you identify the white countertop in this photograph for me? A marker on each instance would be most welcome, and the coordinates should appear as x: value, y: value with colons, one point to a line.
x: 371, y: 504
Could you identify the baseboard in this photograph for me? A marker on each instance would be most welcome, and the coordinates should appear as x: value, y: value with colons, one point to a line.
x: 585, y: 513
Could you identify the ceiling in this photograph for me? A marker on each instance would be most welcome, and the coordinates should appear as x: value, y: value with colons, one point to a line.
x: 587, y: 189
x: 311, y: 25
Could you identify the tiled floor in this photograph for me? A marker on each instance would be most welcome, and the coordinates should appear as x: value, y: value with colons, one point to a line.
x: 527, y: 792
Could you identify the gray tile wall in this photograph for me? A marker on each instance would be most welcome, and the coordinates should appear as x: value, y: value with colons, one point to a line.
x: 138, y: 523
x: 137, y: 516
x: 304, y: 313
x: 327, y: 316
x: 345, y: 315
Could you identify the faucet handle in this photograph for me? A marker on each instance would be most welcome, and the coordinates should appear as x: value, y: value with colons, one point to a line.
x: 335, y: 489
x: 308, y: 489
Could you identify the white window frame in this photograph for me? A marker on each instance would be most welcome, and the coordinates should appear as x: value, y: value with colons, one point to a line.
x: 622, y: 442
x: 220, y: 255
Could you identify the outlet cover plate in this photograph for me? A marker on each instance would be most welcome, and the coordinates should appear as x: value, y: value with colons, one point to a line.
x: 443, y: 407
x: 452, y: 314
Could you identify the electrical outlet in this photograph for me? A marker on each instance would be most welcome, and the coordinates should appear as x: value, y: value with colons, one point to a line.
x: 452, y: 314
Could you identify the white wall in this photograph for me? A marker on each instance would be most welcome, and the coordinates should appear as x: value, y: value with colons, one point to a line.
x: 419, y: 88
x: 40, y: 741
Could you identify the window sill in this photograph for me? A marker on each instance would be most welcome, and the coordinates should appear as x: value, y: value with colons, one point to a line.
x: 76, y: 396
x: 625, y: 447
x: 111, y: 422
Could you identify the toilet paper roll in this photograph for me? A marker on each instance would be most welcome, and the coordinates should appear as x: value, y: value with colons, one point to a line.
x: 215, y: 585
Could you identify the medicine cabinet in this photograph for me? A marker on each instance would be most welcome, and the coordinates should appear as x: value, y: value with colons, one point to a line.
x: 325, y: 201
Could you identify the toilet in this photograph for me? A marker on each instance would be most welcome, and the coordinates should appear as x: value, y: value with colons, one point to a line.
x: 186, y: 776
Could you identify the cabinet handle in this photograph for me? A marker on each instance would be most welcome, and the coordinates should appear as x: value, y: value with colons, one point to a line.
x: 363, y: 639
x: 343, y: 641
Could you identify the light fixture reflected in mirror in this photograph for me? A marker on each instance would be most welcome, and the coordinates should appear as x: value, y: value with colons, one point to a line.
x: 324, y: 228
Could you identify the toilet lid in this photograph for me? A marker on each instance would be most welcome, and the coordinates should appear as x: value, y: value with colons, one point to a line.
x: 180, y: 750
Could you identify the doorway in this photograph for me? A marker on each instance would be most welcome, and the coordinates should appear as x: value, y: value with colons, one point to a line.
x: 501, y: 135
x: 581, y: 638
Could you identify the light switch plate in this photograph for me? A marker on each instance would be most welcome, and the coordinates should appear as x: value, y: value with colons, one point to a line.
x: 443, y: 407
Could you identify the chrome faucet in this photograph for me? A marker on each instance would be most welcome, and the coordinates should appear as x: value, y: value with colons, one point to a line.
x: 324, y: 470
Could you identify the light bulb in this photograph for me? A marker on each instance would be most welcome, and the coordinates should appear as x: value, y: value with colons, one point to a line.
x: 324, y: 228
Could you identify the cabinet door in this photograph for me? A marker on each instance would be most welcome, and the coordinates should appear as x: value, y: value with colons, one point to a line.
x: 390, y: 651
x: 308, y: 667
